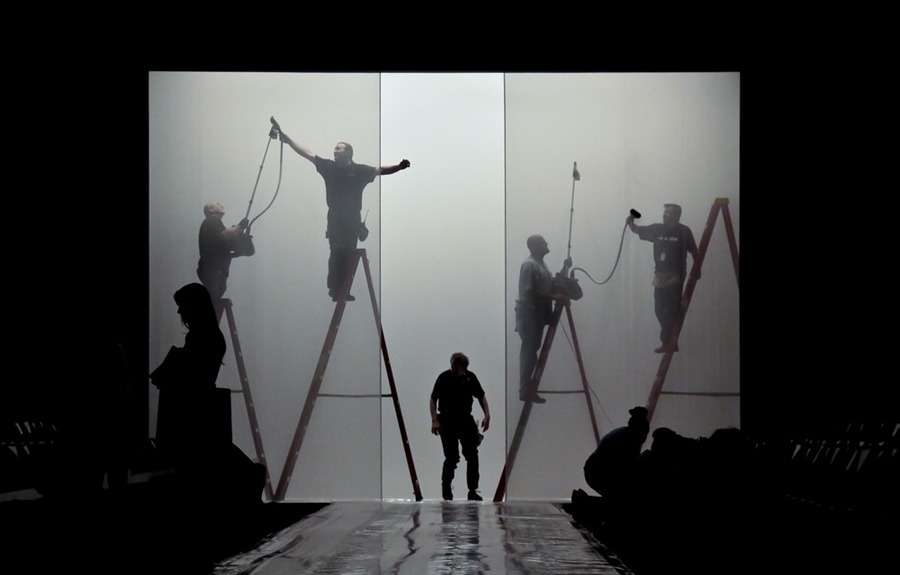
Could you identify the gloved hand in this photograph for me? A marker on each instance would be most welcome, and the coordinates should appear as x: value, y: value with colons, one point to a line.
x: 404, y: 164
x: 244, y: 224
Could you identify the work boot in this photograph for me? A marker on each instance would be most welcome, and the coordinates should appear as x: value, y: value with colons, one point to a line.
x: 665, y: 348
x: 334, y: 296
x: 474, y: 496
x: 447, y: 493
x: 534, y: 397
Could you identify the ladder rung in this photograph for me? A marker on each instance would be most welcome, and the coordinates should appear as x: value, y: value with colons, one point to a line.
x: 355, y: 395
x: 706, y: 393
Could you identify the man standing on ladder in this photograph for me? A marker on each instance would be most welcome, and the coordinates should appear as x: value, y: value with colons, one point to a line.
x: 217, y: 249
x: 672, y: 241
x: 344, y: 184
x: 534, y: 309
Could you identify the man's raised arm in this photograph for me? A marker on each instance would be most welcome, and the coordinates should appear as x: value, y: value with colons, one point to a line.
x: 300, y: 149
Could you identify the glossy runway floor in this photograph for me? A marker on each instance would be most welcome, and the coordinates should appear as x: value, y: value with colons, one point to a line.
x: 432, y: 537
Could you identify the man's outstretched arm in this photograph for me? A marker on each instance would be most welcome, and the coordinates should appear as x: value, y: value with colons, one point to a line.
x: 387, y: 170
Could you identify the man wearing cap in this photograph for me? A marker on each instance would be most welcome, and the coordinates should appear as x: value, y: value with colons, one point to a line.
x: 216, y: 249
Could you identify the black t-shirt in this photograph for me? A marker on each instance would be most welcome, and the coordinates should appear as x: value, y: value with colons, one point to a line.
x: 453, y: 394
x: 215, y: 248
x: 344, y: 184
x: 670, y: 246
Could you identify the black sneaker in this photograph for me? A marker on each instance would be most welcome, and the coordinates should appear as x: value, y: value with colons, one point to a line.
x: 474, y: 496
x: 335, y: 297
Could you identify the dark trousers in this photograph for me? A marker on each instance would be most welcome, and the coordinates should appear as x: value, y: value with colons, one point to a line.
x: 667, y: 304
x: 456, y: 433
x: 338, y: 268
x: 531, y: 332
x: 342, y: 240
x: 214, y: 280
x: 343, y: 235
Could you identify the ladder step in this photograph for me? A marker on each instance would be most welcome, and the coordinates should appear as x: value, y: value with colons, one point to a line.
x: 704, y: 393
x: 355, y: 395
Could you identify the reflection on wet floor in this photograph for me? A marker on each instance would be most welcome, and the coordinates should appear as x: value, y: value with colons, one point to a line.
x: 404, y: 538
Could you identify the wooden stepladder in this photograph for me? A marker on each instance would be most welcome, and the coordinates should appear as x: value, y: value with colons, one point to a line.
x: 566, y: 305
x: 720, y: 205
x: 315, y: 386
x: 224, y: 305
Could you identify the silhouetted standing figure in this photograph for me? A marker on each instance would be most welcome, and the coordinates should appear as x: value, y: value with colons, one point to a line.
x: 217, y: 245
x: 451, y: 418
x: 609, y: 469
x: 187, y: 381
x: 345, y: 181
x: 672, y: 241
x: 534, y: 310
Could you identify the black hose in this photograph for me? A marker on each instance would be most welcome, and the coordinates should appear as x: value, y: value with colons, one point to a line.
x: 619, y: 255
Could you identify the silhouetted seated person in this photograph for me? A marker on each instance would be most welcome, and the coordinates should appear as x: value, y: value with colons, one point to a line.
x: 187, y: 379
x: 696, y: 489
x: 661, y: 458
x: 697, y: 494
x: 192, y: 433
x: 668, y: 476
x: 609, y: 469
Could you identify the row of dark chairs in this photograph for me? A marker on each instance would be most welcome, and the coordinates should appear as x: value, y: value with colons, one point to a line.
x: 847, y: 468
x: 27, y: 448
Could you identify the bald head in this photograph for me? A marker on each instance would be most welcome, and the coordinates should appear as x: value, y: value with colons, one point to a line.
x: 213, y: 209
x: 537, y: 245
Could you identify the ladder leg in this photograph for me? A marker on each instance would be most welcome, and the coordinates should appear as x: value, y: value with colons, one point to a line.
x: 245, y: 390
x: 732, y: 243
x: 584, y: 382
x: 390, y: 374
x: 500, y: 493
x: 314, y: 387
